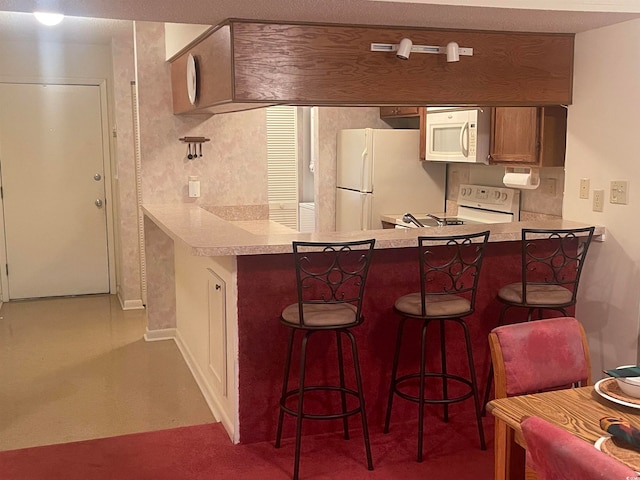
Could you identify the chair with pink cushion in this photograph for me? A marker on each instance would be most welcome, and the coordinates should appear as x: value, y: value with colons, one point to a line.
x: 542, y: 355
x: 555, y: 454
x: 536, y: 356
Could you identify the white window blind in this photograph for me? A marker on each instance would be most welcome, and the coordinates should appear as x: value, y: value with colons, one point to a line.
x: 282, y: 158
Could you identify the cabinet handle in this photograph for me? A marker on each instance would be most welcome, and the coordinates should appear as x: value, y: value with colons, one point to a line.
x: 218, y: 287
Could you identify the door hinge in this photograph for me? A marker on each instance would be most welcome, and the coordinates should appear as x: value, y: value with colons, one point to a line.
x: 6, y: 267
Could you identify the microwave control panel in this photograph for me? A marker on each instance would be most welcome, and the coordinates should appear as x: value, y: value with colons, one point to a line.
x: 472, y: 139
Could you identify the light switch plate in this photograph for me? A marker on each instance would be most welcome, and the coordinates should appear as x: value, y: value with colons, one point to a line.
x: 598, y: 200
x: 584, y: 188
x: 619, y: 192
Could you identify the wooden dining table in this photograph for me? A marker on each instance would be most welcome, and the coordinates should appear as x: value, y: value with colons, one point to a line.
x: 577, y: 410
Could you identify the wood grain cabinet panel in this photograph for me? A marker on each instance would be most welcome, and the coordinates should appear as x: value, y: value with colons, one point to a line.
x: 333, y: 64
x: 530, y: 136
x: 399, y: 112
x: 247, y: 64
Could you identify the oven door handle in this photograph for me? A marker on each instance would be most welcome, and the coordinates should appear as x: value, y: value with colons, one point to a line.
x: 463, y: 148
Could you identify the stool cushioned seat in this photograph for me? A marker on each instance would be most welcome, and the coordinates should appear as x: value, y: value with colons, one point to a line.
x: 322, y: 314
x: 536, y: 294
x: 436, y: 305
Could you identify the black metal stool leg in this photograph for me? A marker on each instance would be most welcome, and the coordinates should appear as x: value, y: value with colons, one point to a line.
x: 443, y: 361
x: 363, y: 414
x: 345, y: 422
x: 285, y: 382
x: 303, y: 356
x: 474, y: 385
x: 394, y: 372
x: 422, y: 388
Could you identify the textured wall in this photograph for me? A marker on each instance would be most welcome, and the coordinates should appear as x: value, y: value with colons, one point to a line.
x: 124, y: 185
x: 233, y: 168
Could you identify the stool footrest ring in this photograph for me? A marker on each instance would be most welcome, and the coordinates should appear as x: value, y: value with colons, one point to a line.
x: 318, y: 416
x: 439, y: 401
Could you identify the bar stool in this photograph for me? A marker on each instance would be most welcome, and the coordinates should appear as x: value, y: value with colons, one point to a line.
x: 552, y: 262
x: 449, y: 273
x: 330, y: 281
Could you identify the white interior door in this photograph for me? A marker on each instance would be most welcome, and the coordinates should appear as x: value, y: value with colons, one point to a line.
x: 52, y: 165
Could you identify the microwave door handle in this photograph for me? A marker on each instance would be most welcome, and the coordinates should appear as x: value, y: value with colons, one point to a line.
x: 465, y: 150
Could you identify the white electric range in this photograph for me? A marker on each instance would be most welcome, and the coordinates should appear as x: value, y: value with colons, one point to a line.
x: 476, y: 204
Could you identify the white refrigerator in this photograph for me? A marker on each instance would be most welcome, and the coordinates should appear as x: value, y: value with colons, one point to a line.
x: 379, y: 172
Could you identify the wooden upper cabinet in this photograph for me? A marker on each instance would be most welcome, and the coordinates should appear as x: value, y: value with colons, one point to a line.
x: 528, y: 136
x: 244, y: 64
x: 399, y: 112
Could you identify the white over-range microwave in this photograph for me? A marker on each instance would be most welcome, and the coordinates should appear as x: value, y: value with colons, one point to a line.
x: 459, y: 135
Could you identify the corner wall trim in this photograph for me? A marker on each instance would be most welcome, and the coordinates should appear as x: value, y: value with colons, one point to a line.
x: 157, y: 335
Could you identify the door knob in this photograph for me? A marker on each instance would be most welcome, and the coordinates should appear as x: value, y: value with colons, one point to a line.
x: 97, y: 177
x: 98, y: 203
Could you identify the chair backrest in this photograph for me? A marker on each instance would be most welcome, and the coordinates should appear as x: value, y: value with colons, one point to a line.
x: 540, y: 355
x: 332, y: 273
x: 555, y: 454
x: 451, y: 266
x: 554, y: 257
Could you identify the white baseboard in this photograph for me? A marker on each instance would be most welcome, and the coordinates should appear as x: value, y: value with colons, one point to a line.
x: 205, y: 388
x: 130, y: 304
x: 157, y: 335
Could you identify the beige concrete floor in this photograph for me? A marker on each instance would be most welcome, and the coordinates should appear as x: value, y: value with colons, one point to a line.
x: 78, y: 368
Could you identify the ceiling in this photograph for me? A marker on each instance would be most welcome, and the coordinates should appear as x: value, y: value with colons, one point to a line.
x: 379, y: 12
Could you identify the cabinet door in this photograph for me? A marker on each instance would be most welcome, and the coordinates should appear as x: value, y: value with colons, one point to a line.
x: 218, y: 331
x: 386, y: 112
x: 515, y: 135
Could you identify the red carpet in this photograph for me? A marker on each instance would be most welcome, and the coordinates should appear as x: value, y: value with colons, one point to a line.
x: 205, y: 452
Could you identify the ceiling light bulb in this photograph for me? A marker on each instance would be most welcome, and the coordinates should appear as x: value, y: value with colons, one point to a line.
x: 49, y: 19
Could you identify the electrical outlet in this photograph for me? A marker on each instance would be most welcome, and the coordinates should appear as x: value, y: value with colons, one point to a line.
x: 619, y: 192
x: 584, y: 188
x: 598, y: 200
x: 548, y: 186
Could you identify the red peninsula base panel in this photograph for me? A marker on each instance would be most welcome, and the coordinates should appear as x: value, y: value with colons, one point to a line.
x: 267, y: 284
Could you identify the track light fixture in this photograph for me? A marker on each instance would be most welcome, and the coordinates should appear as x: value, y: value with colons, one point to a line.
x: 406, y: 48
x: 453, y: 52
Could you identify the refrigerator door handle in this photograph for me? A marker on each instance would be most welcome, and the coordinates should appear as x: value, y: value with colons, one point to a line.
x: 365, y: 206
x: 363, y: 164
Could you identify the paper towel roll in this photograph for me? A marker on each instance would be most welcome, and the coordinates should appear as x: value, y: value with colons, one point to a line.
x: 519, y: 180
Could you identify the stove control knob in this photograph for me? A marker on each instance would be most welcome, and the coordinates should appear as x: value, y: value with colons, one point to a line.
x: 504, y: 197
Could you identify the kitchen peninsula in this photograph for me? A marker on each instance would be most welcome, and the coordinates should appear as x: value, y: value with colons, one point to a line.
x: 218, y: 287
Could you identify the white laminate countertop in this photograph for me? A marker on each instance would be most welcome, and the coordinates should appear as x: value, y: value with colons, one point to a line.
x: 209, y: 235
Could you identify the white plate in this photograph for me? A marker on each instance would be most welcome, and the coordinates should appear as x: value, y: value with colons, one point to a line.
x: 601, y: 440
x: 613, y: 399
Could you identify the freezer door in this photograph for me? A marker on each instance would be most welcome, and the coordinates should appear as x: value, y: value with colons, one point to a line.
x: 353, y: 210
x: 354, y: 169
